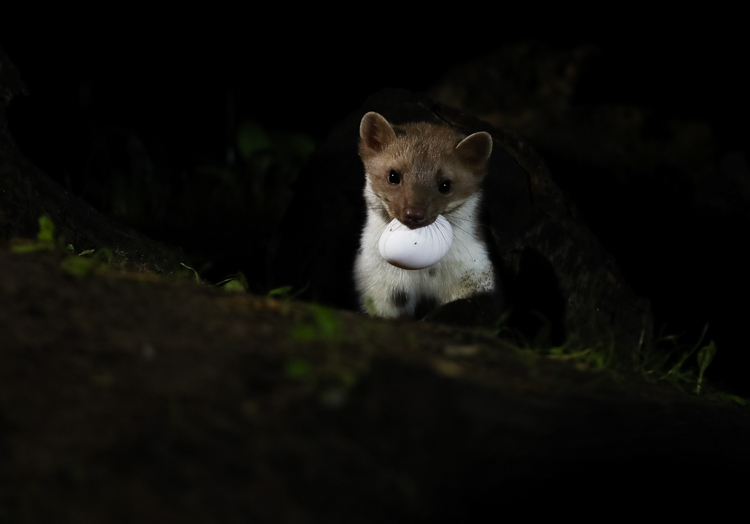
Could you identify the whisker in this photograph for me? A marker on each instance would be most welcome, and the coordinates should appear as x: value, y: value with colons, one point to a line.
x: 464, y: 223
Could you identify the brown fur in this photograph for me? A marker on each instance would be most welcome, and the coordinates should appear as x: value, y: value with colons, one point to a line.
x: 424, y: 155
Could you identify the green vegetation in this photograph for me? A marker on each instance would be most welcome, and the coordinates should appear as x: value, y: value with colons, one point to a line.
x: 540, y: 343
x: 668, y: 361
x: 235, y: 282
x: 587, y: 358
x: 87, y: 261
x: 281, y: 292
x: 45, y: 239
x: 195, y: 273
x: 671, y: 361
x: 78, y: 265
x: 705, y: 356
x: 670, y: 364
x: 332, y: 379
x: 326, y: 327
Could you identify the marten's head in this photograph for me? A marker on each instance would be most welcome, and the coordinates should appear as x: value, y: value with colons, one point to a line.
x: 415, y: 172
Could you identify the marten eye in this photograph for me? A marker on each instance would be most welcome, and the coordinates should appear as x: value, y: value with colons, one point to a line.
x: 445, y: 187
x: 393, y: 177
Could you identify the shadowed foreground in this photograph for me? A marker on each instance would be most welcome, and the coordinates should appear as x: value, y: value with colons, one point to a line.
x: 126, y: 397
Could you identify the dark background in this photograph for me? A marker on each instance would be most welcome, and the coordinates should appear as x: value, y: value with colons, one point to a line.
x: 182, y: 88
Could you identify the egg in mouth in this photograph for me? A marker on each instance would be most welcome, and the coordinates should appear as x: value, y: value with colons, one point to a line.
x: 416, y: 248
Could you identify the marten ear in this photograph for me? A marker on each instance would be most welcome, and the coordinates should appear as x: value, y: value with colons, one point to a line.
x: 375, y: 132
x: 475, y: 150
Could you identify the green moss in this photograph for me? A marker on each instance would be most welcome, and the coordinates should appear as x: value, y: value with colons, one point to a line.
x: 45, y: 238
x: 280, y: 292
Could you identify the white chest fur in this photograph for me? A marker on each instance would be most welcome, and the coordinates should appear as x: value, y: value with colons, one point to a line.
x: 388, y: 291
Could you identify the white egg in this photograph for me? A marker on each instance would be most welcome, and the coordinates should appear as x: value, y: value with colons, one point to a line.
x: 416, y: 248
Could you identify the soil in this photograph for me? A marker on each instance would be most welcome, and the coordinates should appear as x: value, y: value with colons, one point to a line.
x: 131, y: 397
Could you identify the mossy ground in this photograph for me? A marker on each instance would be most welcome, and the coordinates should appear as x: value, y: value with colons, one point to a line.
x: 130, y: 397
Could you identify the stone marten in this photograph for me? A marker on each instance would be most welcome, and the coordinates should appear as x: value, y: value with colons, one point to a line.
x: 414, y: 173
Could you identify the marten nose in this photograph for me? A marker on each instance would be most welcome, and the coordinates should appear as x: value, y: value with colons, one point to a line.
x: 414, y: 216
